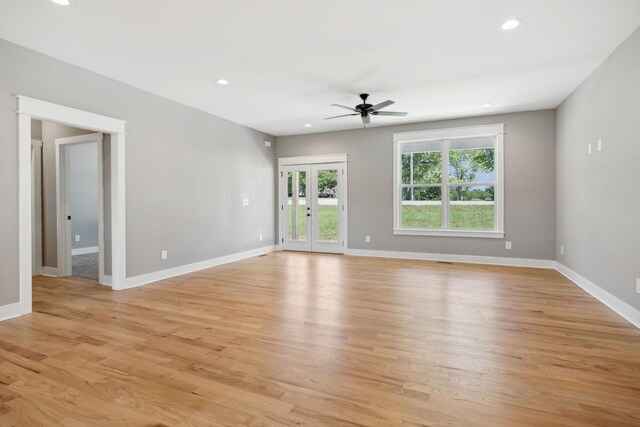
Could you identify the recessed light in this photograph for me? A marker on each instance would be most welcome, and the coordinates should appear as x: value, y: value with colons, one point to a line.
x: 510, y: 24
x: 222, y: 82
x: 308, y: 125
x: 488, y: 104
x: 61, y: 2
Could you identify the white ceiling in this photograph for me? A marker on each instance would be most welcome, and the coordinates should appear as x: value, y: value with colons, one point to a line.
x: 287, y: 60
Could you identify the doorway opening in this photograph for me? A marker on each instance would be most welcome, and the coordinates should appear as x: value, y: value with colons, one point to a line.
x: 68, y: 199
x: 313, y: 203
x: 36, y: 233
x: 80, y: 215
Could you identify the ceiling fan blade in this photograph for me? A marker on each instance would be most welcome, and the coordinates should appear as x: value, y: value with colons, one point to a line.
x: 366, y: 120
x: 389, y: 113
x: 342, y: 115
x: 345, y: 107
x: 381, y: 105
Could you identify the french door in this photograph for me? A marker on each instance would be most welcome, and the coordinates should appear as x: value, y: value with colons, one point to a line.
x: 312, y: 207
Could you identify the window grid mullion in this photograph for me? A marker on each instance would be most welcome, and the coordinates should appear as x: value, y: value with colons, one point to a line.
x: 444, y: 193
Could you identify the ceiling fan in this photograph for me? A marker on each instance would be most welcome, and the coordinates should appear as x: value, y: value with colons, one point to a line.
x: 365, y: 111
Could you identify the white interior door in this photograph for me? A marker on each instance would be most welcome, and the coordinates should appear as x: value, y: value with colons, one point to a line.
x: 312, y: 208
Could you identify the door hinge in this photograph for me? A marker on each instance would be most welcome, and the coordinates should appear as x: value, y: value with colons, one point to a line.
x: 342, y: 208
x: 281, y: 207
x: 343, y: 243
x: 281, y: 174
x: 283, y: 240
x: 342, y: 171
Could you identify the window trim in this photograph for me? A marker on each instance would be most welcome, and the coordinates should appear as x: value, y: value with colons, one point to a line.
x: 496, y: 130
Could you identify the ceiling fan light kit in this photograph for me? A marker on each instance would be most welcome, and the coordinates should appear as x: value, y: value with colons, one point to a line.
x: 366, y: 110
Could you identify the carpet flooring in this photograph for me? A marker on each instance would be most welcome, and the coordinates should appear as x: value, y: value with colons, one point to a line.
x: 85, y: 266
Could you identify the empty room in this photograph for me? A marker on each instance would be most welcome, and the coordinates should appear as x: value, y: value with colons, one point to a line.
x: 335, y: 213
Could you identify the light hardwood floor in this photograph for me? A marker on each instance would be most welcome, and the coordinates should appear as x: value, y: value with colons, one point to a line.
x: 295, y: 338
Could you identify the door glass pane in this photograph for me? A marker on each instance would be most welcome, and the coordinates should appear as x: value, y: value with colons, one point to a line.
x: 297, y: 205
x: 421, y: 207
x: 472, y: 207
x: 327, y: 215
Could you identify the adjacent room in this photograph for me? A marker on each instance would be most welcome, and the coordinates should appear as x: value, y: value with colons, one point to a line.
x: 366, y: 213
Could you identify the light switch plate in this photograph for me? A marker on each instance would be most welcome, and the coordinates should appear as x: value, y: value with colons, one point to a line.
x: 367, y: 239
x: 245, y: 202
x: 163, y: 255
x: 77, y: 237
x: 507, y: 245
x: 599, y: 145
x: 638, y: 286
x: 589, y: 149
x: 267, y: 143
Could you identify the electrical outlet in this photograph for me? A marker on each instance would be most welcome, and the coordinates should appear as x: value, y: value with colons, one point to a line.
x: 599, y: 145
x: 638, y: 286
x: 367, y: 239
x: 163, y: 255
x: 77, y: 237
x: 507, y: 245
x: 561, y: 250
x: 589, y: 149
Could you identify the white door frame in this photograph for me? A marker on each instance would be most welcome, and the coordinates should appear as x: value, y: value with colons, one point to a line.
x: 28, y: 109
x: 283, y: 162
x: 36, y: 206
x: 63, y: 228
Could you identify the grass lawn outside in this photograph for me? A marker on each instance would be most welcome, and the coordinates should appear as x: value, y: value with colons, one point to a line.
x: 327, y: 223
x: 460, y: 217
x: 428, y: 216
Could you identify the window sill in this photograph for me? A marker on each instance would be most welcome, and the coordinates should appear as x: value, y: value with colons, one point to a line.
x: 449, y: 233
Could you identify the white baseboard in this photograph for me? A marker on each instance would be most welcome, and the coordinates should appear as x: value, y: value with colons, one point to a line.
x: 132, y: 282
x: 50, y: 271
x: 106, y: 280
x: 470, y: 259
x: 11, y: 310
x: 85, y: 251
x: 613, y: 302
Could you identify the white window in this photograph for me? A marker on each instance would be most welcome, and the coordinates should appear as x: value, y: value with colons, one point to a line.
x: 449, y: 182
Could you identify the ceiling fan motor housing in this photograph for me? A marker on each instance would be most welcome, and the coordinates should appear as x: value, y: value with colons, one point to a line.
x: 364, y: 107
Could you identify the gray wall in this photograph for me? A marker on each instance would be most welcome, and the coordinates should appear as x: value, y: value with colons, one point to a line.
x: 83, y: 194
x: 51, y: 132
x: 598, y: 206
x: 36, y: 130
x: 529, y: 185
x: 186, y: 170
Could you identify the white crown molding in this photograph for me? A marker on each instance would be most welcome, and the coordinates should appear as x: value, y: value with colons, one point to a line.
x: 470, y: 259
x: 144, y: 279
x: 614, y: 303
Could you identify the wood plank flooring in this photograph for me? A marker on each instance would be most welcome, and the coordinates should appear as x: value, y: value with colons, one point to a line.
x: 310, y: 339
